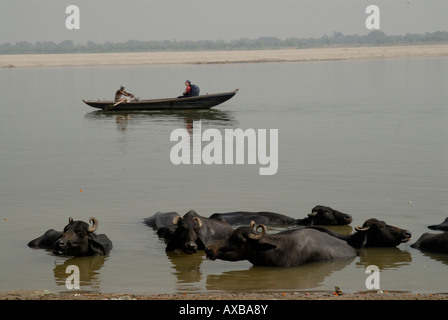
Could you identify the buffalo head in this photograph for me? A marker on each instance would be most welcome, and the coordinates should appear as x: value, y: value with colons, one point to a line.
x: 186, y: 234
x: 322, y: 215
x: 238, y: 245
x: 375, y: 233
x: 77, y: 238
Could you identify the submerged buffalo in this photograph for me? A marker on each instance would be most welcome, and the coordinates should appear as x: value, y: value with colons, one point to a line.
x: 284, y: 249
x: 442, y: 226
x: 375, y: 233
x: 193, y: 232
x: 161, y: 220
x: 77, y: 239
x: 320, y: 215
x: 437, y: 243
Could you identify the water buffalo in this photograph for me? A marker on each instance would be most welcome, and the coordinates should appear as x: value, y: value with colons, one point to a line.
x: 442, y: 226
x: 320, y: 215
x: 161, y: 220
x: 437, y: 243
x: 77, y: 239
x: 193, y: 232
x: 288, y: 248
x: 374, y: 233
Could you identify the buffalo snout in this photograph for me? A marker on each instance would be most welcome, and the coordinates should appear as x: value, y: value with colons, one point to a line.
x: 191, y: 247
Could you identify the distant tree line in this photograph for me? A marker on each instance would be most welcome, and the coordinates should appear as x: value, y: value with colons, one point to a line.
x: 374, y: 38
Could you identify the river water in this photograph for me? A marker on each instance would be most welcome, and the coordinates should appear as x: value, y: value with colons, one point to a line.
x: 368, y: 138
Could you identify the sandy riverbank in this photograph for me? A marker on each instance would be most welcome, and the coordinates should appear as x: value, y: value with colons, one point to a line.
x: 370, y: 295
x: 209, y: 57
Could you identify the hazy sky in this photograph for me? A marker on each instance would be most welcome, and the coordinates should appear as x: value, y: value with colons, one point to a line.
x: 119, y: 21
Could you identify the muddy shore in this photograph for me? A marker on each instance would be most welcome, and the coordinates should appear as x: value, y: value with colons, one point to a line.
x: 368, y: 295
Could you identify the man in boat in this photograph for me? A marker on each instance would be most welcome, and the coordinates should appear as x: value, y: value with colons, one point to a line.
x: 191, y: 90
x: 187, y: 92
x: 121, y: 92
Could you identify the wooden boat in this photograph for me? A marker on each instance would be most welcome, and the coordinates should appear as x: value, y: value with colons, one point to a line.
x: 199, y: 102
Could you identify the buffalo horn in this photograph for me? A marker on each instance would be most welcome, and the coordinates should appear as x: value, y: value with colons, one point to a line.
x: 176, y: 220
x: 94, y: 223
x: 70, y: 220
x: 358, y: 228
x: 312, y: 214
x: 252, y: 224
x: 257, y: 236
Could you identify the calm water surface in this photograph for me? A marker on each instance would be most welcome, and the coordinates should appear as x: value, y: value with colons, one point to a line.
x: 365, y: 137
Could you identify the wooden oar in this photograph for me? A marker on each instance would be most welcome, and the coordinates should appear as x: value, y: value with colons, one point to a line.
x: 110, y: 107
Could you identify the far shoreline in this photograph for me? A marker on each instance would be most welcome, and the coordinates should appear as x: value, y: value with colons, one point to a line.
x: 222, y: 57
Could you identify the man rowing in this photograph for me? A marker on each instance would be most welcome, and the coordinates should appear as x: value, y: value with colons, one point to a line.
x: 121, y: 92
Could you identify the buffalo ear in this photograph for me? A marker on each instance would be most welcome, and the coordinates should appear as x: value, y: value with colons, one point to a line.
x: 96, y: 247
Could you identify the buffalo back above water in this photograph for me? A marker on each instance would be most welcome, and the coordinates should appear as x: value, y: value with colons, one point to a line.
x: 430, y: 242
x: 261, y: 217
x: 161, y: 220
x: 77, y: 239
x: 441, y: 226
x: 437, y: 243
x: 320, y: 215
x: 284, y: 249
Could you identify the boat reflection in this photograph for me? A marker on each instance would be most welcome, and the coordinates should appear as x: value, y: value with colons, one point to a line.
x: 124, y: 119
